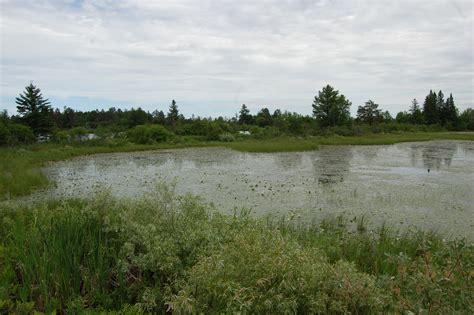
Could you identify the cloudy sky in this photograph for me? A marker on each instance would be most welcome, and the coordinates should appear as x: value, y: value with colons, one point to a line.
x: 214, y: 55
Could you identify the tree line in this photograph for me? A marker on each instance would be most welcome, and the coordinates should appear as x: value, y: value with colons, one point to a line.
x: 331, y: 114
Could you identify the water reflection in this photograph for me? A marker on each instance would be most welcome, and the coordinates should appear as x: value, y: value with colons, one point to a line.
x: 331, y: 165
x: 289, y: 161
x: 433, y: 155
x: 387, y: 182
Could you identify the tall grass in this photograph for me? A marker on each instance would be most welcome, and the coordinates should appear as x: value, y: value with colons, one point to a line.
x: 166, y: 252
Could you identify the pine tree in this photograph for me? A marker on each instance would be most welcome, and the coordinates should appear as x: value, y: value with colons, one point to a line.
x: 159, y: 117
x: 244, y: 115
x: 441, y: 105
x: 35, y: 111
x: 369, y: 113
x: 416, y: 113
x: 430, y: 108
x: 449, y: 112
x: 173, y: 115
x: 330, y: 108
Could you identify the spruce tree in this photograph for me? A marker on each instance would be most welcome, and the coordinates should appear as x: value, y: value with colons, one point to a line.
x: 430, y: 108
x: 173, y: 115
x: 450, y: 113
x: 441, y: 105
x: 415, y: 111
x: 35, y: 111
x: 244, y: 115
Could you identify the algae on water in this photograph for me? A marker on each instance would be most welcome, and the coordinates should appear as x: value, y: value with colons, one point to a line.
x: 429, y: 185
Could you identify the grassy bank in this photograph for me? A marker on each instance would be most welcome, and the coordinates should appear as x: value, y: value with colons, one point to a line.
x: 170, y: 253
x: 312, y: 143
x: 19, y: 174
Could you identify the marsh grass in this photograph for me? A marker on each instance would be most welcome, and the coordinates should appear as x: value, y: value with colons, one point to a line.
x: 166, y: 252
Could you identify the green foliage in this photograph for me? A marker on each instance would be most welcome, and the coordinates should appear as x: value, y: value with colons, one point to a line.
x: 330, y: 108
x: 173, y: 116
x: 146, y: 134
x: 264, y: 118
x: 262, y: 272
x: 467, y: 119
x: 416, y: 113
x: 78, y: 133
x: 35, y: 111
x: 15, y: 134
x: 448, y: 112
x: 245, y: 118
x: 137, y: 117
x: 226, y: 137
x: 431, y: 109
x: 174, y: 253
x: 369, y: 113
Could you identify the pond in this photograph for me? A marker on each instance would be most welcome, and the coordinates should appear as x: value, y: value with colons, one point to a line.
x: 424, y: 184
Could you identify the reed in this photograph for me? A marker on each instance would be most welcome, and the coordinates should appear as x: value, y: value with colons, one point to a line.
x: 166, y: 252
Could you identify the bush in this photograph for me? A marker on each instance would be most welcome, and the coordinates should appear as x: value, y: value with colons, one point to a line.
x: 226, y: 137
x: 16, y: 134
x: 148, y: 134
x: 61, y: 136
x: 261, y: 272
x: 174, y: 253
x: 78, y: 133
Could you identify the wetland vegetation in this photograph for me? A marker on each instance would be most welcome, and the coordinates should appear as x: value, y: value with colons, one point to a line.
x: 167, y: 253
x: 160, y: 250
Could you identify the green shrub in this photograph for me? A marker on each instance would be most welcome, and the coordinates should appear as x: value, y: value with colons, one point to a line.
x: 166, y: 252
x: 14, y: 134
x: 147, y: 134
x: 226, y: 137
x: 262, y: 272
x: 61, y: 136
x: 77, y: 133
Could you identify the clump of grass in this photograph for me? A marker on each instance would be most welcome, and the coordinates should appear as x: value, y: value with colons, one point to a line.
x: 166, y: 252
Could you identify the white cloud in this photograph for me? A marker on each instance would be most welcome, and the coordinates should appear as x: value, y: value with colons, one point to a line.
x: 262, y: 53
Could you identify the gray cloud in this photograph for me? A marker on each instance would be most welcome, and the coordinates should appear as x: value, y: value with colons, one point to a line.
x: 215, y: 55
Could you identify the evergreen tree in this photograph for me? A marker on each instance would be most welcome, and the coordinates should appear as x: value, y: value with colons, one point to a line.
x: 173, y: 115
x: 449, y: 112
x: 430, y: 108
x: 330, y: 108
x: 159, y: 117
x: 369, y: 113
x: 416, y: 113
x: 35, y: 111
x: 466, y: 119
x: 441, y: 105
x: 244, y: 116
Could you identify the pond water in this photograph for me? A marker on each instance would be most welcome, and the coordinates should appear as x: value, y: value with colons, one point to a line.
x: 425, y: 184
